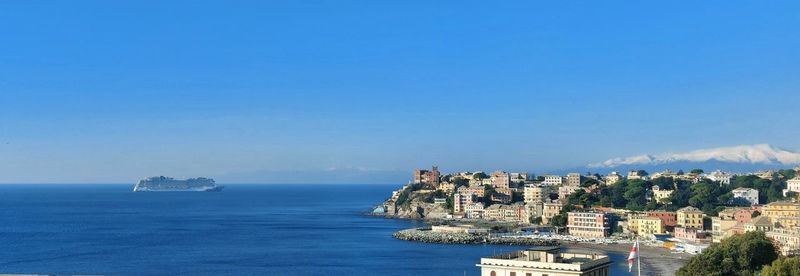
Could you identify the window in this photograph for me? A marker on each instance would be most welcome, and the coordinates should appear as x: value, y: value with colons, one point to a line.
x: 493, y: 273
x: 513, y: 274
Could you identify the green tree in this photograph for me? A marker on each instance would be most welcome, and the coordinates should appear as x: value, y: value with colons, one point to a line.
x: 536, y: 220
x: 559, y: 220
x: 479, y: 175
x: 636, y: 195
x: 783, y: 267
x: 755, y: 214
x: 787, y: 174
x: 696, y: 171
x: 488, y: 191
x: 589, y: 182
x: 458, y: 182
x: 737, y: 255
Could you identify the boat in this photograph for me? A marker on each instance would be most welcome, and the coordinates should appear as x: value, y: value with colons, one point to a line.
x: 168, y: 184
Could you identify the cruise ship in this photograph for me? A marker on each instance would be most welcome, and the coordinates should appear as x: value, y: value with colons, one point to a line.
x: 168, y: 184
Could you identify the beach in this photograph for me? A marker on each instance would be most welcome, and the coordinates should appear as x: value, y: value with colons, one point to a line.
x: 655, y: 260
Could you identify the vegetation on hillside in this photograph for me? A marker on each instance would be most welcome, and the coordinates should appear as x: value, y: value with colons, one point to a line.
x: 706, y: 195
x: 737, y: 255
x: 783, y: 267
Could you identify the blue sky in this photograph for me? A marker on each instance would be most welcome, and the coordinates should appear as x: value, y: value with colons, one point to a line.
x: 364, y: 91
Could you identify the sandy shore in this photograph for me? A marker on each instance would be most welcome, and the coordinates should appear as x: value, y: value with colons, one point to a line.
x: 655, y: 260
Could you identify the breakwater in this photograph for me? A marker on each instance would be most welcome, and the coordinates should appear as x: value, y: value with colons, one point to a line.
x: 428, y: 236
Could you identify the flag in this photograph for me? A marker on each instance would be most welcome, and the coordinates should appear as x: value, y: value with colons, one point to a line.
x: 632, y: 256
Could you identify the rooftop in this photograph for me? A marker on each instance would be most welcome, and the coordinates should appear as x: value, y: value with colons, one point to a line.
x: 548, y: 258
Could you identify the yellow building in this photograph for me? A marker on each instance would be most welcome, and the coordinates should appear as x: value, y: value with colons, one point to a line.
x: 446, y: 187
x: 722, y: 228
x: 787, y: 222
x: 550, y: 210
x: 781, y: 209
x: 647, y: 225
x: 690, y: 217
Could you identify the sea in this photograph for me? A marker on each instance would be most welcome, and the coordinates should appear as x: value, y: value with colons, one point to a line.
x: 325, y: 229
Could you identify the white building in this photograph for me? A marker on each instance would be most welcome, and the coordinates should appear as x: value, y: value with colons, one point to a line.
x: 553, y: 180
x: 634, y: 174
x: 660, y: 194
x: 721, y: 177
x: 534, y: 194
x: 746, y: 194
x: 545, y: 260
x: 474, y: 210
x: 792, y: 185
x: 519, y: 177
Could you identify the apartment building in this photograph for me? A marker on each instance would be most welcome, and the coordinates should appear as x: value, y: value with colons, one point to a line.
x: 747, y: 196
x: 588, y: 224
x: 689, y: 217
x: 553, y: 180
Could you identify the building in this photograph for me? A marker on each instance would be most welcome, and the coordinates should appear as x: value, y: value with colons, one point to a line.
x: 644, y: 226
x: 670, y: 219
x: 792, y: 185
x: 446, y: 187
x: 760, y: 223
x: 722, y: 228
x: 519, y: 178
x: 689, y: 217
x: 501, y: 198
x: 565, y: 191
x: 588, y: 224
x: 504, y: 212
x: 535, y: 209
x: 745, y: 196
x: 550, y: 210
x: 460, y: 201
x: 778, y: 209
x: 740, y: 215
x: 665, y: 174
x: 500, y: 179
x: 634, y: 174
x: 553, y: 180
x: 721, y: 177
x: 689, y: 234
x: 477, y: 190
x: 534, y: 194
x: 787, y: 222
x: 787, y: 240
x: 439, y: 200
x: 659, y: 194
x: 474, y: 210
x: 548, y: 261
x: 574, y: 179
x: 430, y: 178
x: 613, y: 177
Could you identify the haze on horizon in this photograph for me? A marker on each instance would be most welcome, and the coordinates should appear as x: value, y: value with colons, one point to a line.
x: 365, y: 91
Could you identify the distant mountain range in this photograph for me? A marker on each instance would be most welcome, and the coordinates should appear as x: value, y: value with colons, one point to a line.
x: 744, y: 158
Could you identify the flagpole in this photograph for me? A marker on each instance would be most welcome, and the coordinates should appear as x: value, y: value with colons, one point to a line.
x: 638, y: 257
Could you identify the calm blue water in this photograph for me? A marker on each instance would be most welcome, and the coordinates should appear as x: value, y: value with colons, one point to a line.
x: 245, y: 229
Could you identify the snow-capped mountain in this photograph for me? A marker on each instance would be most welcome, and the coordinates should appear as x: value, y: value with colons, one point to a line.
x: 744, y: 157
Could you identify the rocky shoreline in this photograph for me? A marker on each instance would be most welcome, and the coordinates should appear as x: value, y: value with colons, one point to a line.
x: 428, y: 236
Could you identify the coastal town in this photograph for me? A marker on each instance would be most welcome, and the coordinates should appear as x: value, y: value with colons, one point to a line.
x: 683, y: 212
